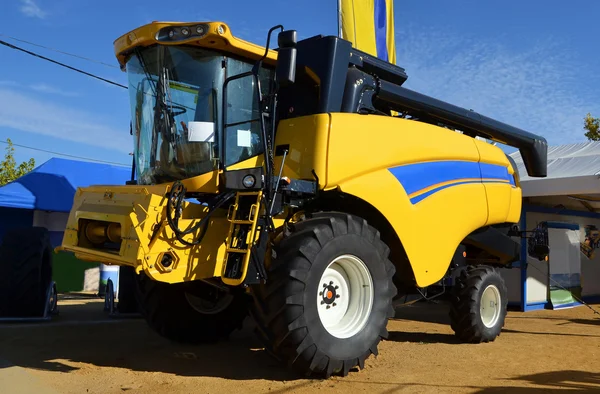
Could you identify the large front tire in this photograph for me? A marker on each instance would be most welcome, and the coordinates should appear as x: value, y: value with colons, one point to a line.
x: 479, y: 304
x: 183, y: 313
x: 326, y: 303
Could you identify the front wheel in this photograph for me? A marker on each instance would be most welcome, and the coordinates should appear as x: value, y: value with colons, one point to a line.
x: 479, y: 304
x: 328, y: 297
x: 192, y: 312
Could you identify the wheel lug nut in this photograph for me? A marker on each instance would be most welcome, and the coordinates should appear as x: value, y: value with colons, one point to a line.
x: 331, y: 282
x: 328, y: 307
x: 336, y: 287
x: 337, y: 296
x: 334, y: 304
x: 321, y: 293
x: 324, y: 284
x: 322, y: 302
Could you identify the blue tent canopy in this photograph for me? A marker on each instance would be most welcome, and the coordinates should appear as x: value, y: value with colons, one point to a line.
x: 52, y: 186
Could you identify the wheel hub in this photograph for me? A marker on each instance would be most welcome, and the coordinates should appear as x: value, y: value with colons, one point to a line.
x: 329, y: 294
x: 345, y: 296
x: 489, y: 308
x: 209, y: 306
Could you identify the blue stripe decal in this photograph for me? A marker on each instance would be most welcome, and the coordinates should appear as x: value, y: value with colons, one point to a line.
x: 381, y: 29
x: 420, y: 197
x: 495, y: 171
x: 419, y: 176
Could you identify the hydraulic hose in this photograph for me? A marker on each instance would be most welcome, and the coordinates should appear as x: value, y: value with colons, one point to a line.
x: 175, y: 197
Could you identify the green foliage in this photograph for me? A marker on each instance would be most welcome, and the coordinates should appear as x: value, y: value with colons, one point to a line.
x: 9, y: 171
x: 592, y: 125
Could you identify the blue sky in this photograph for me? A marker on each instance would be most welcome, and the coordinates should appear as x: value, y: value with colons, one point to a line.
x: 532, y: 64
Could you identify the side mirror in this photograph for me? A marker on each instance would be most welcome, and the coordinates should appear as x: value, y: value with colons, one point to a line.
x: 286, y: 57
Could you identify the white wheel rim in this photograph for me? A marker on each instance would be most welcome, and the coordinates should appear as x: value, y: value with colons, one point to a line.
x: 490, y: 306
x: 345, y: 296
x: 208, y: 307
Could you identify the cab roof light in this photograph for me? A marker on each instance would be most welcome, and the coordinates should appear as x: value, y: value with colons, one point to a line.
x: 177, y: 33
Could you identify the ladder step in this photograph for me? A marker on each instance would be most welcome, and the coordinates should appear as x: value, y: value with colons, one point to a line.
x: 233, y: 250
x: 241, y: 221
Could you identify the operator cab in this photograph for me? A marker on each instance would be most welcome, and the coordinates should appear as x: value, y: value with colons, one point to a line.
x: 176, y: 95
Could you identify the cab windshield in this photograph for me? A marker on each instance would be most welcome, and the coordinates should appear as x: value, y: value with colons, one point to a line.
x: 176, y: 108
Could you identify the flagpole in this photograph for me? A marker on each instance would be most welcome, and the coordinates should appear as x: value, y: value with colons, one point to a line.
x: 339, y: 10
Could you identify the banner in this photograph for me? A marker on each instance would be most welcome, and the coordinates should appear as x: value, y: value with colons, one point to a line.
x: 369, y: 25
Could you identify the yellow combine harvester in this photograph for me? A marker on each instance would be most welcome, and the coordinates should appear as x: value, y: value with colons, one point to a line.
x: 281, y: 184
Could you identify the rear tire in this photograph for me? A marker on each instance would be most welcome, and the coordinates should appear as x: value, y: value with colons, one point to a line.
x: 26, y: 272
x: 291, y: 311
x: 479, y: 304
x: 175, y: 312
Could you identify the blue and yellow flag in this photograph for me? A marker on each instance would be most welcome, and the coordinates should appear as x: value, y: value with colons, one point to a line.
x: 369, y: 25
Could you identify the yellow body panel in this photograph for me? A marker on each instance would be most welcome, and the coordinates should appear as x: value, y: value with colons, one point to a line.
x: 428, y: 182
x: 308, y: 140
x: 215, y: 39
x: 145, y: 234
x: 205, y: 183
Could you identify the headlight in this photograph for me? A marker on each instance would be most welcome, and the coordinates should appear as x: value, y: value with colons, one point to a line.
x: 249, y: 181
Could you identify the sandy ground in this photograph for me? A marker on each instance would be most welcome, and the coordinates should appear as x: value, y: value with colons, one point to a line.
x: 85, y: 351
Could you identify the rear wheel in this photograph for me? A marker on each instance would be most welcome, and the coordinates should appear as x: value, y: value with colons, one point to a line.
x: 326, y: 303
x: 193, y: 312
x: 479, y: 304
x: 26, y: 272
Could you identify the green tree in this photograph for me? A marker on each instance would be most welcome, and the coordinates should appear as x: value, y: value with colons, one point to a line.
x: 9, y: 171
x: 592, y: 125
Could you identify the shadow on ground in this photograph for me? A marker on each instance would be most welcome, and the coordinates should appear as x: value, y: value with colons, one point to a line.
x: 547, y: 382
x: 427, y: 312
x: 437, y: 313
x: 84, y: 334
x: 574, y: 381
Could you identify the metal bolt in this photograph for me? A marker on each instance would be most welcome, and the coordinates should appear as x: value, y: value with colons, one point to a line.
x: 324, y: 284
x: 331, y: 282
x: 337, y: 296
x: 334, y: 304
x: 322, y: 302
x: 336, y: 287
x: 328, y: 307
x: 321, y: 293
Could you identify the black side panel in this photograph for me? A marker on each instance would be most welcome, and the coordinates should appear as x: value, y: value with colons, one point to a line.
x: 375, y: 66
x: 321, y: 68
x: 496, y: 242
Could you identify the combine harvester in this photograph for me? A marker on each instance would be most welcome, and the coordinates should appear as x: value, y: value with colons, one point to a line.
x: 303, y: 186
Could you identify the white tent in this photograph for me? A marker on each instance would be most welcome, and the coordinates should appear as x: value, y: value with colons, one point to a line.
x: 569, y: 200
x: 573, y: 170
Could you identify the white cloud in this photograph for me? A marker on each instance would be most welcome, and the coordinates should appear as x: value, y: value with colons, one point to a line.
x: 30, y: 8
x: 531, y: 88
x: 40, y: 88
x: 44, y: 88
x: 22, y: 112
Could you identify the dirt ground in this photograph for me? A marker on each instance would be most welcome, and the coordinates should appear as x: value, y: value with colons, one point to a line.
x: 84, y: 351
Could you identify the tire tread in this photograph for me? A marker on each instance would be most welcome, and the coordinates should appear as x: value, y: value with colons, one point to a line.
x: 284, y: 333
